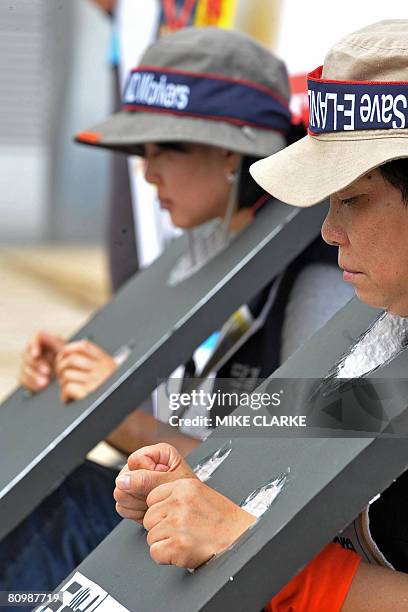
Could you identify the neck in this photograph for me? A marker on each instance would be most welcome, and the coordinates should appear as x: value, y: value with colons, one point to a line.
x: 240, y: 219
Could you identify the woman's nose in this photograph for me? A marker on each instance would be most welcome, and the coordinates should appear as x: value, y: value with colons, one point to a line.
x: 151, y: 171
x: 333, y: 231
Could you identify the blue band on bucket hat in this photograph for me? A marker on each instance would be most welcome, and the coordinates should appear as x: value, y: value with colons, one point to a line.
x: 206, y: 96
x: 339, y: 106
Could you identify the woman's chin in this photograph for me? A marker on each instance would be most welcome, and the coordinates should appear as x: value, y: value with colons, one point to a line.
x: 183, y: 221
x: 371, y: 299
x: 183, y: 224
x: 396, y: 307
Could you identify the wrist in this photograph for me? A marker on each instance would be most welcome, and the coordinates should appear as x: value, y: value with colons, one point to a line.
x: 242, y: 521
x: 237, y: 523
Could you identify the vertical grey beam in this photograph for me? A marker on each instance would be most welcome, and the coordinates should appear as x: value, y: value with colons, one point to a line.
x: 44, y: 441
x: 331, y: 480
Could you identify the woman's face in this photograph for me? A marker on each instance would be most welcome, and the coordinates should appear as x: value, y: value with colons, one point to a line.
x: 191, y: 180
x: 368, y: 221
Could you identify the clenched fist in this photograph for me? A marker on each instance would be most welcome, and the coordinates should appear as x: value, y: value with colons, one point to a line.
x: 39, y: 358
x: 146, y: 469
x: 188, y: 522
x: 81, y: 367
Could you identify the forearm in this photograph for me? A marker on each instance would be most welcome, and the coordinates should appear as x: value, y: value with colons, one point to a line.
x: 140, y: 429
x: 375, y: 589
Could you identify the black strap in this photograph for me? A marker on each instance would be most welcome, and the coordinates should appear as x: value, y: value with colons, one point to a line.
x: 261, y: 354
x: 389, y: 523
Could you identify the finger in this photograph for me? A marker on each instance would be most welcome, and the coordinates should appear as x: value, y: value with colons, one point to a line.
x: 51, y: 341
x: 177, y: 550
x: 39, y: 364
x: 33, y: 372
x: 129, y: 506
x: 72, y: 392
x: 85, y: 347
x: 34, y: 347
x: 161, y: 552
x: 35, y: 367
x: 159, y: 457
x: 118, y: 493
x: 43, y: 341
x: 157, y: 534
x: 155, y: 515
x: 69, y: 375
x: 27, y: 383
x: 140, y: 482
x: 124, y: 470
x: 31, y: 380
x: 133, y: 515
x: 160, y: 493
x: 74, y: 361
x: 129, y: 501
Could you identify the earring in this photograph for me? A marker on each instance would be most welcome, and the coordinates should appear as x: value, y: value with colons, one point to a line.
x: 231, y: 176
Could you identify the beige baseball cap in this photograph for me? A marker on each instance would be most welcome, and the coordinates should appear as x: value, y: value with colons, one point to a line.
x: 358, y: 104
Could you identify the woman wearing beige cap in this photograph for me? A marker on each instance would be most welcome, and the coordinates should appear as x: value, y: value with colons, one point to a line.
x: 356, y: 152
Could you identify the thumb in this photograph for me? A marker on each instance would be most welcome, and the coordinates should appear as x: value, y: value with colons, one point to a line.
x: 141, y: 482
x: 46, y: 340
x: 36, y: 345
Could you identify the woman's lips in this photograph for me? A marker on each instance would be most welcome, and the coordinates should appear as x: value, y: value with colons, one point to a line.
x: 350, y: 276
x: 165, y: 204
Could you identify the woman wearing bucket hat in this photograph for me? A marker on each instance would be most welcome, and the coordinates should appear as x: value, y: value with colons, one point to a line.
x: 356, y: 152
x: 181, y: 108
x: 194, y: 93
x: 200, y: 108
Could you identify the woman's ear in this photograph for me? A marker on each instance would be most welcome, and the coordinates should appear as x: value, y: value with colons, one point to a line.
x: 233, y: 160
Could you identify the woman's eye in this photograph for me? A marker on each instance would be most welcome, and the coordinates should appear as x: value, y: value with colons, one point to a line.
x: 349, y: 201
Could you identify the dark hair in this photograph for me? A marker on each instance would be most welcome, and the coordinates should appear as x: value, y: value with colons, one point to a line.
x: 249, y: 190
x: 395, y: 172
x: 166, y: 146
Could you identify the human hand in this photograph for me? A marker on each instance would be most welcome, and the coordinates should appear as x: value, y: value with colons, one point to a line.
x: 106, y: 5
x: 146, y: 469
x: 39, y: 361
x: 188, y: 523
x: 80, y: 368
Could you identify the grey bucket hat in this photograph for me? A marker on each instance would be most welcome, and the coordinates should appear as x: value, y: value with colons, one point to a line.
x: 201, y: 85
